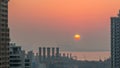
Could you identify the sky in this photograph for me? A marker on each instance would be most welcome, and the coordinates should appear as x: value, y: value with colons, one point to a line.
x: 53, y: 23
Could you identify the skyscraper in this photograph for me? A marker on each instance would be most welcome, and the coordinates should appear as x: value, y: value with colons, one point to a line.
x: 115, y: 41
x: 4, y: 34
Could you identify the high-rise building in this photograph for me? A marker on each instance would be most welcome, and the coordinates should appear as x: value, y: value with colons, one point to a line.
x: 57, y: 52
x: 4, y: 34
x: 48, y: 52
x: 40, y: 54
x: 53, y: 52
x: 115, y: 41
x: 44, y: 53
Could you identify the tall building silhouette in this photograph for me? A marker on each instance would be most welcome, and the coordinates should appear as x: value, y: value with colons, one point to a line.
x: 4, y: 34
x: 115, y: 41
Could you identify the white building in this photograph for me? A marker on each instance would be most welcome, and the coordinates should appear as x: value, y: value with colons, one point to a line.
x: 18, y: 57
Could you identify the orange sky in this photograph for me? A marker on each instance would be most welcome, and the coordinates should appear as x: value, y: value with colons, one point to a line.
x: 64, y: 18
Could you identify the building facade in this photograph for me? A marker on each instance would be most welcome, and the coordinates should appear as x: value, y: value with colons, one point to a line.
x: 4, y: 34
x: 48, y: 53
x: 18, y: 57
x: 115, y: 41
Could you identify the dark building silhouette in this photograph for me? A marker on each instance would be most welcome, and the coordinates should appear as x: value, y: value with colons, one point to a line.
x: 40, y: 54
x: 57, y: 52
x: 44, y: 53
x: 48, y: 52
x: 53, y: 52
x: 4, y: 34
x: 115, y: 41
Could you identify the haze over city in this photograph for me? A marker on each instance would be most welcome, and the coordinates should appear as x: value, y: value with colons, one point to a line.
x: 54, y: 23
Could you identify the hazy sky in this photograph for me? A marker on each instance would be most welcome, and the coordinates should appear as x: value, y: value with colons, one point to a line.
x: 35, y: 23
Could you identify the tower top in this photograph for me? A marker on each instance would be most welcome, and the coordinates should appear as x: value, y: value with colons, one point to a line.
x: 119, y: 13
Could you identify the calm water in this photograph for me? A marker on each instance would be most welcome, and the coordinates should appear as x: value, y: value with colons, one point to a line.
x: 90, y: 56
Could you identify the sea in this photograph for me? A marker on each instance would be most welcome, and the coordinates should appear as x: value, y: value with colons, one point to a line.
x: 89, y: 56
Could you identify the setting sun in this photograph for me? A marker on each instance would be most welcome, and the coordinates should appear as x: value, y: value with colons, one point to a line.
x: 77, y: 37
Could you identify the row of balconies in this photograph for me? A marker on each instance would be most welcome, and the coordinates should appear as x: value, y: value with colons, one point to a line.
x: 5, y: 35
x: 4, y: 25
x: 4, y: 65
x: 4, y: 49
x: 3, y: 11
x: 4, y: 1
x: 4, y: 39
x: 4, y: 5
x: 4, y: 52
x: 3, y: 8
x: 4, y: 20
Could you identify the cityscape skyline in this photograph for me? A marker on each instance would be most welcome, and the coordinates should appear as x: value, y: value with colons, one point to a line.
x: 48, y: 57
x: 44, y: 27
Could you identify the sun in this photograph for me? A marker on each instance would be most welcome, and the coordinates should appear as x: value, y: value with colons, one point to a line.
x: 77, y: 36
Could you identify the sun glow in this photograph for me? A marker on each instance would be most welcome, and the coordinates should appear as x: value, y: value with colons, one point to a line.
x: 77, y: 37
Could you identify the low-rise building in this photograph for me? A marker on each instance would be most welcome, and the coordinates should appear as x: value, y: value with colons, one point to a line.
x: 18, y: 57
